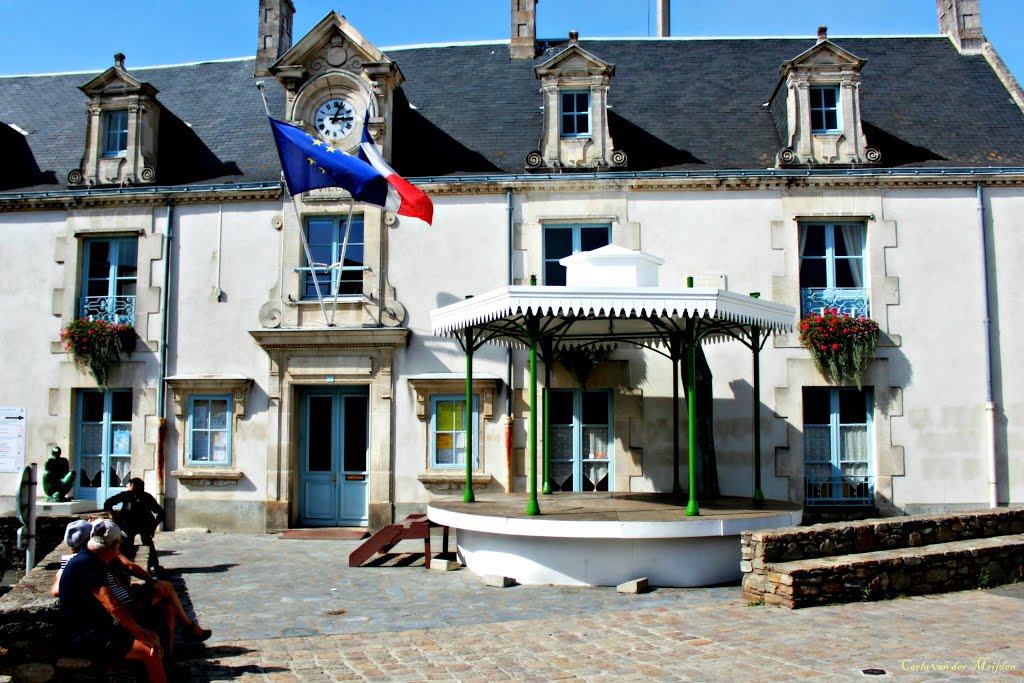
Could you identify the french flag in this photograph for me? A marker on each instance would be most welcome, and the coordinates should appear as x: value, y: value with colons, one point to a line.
x: 404, y: 198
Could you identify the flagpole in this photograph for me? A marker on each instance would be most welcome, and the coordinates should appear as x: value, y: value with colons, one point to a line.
x: 266, y: 107
x: 341, y: 260
x: 298, y: 221
x: 309, y: 259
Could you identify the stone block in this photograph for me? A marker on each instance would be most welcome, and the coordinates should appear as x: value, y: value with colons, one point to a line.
x: 745, y: 566
x: 440, y: 565
x: 499, y: 581
x: 634, y: 587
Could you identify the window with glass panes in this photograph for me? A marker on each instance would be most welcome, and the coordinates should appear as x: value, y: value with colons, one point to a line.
x: 108, y: 279
x: 209, y: 430
x: 580, y: 429
x: 115, y: 133
x: 448, y: 431
x: 575, y: 113
x: 326, y: 238
x: 824, y: 108
x: 103, y: 443
x: 837, y: 453
x: 565, y: 240
x: 832, y: 268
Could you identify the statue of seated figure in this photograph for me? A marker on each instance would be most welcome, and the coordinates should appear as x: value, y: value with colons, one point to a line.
x: 57, y: 479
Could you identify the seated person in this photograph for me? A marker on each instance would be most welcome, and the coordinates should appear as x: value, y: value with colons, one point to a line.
x: 155, y: 603
x: 98, y: 626
x: 139, y: 514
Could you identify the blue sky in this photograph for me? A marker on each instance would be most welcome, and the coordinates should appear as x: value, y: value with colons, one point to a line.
x: 46, y: 36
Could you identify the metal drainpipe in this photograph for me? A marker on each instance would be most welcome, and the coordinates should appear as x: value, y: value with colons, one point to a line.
x: 162, y: 387
x: 990, y: 405
x: 507, y: 420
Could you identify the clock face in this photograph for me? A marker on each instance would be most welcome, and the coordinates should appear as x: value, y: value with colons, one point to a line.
x: 335, y: 119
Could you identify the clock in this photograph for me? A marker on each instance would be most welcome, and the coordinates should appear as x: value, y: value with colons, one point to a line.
x: 335, y: 119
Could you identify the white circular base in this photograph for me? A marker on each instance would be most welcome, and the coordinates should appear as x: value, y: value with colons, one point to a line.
x: 534, y: 550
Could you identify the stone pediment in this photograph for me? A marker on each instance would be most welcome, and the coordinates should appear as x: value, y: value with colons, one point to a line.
x: 330, y: 45
x: 575, y: 60
x: 825, y: 54
x: 116, y: 81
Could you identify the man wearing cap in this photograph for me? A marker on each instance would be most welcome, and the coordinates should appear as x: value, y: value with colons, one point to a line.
x: 140, y: 514
x: 98, y: 625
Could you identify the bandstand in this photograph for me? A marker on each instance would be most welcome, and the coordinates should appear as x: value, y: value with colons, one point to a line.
x: 609, y: 538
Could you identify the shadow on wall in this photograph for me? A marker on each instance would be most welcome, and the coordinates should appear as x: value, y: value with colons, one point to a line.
x: 420, y: 148
x: 645, y: 151
x: 19, y: 168
x: 895, y: 151
x: 184, y: 158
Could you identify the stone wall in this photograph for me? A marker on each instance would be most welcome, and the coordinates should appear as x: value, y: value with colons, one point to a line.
x: 885, y: 558
x: 846, y: 538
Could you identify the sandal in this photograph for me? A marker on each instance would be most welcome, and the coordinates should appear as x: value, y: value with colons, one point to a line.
x: 196, y: 633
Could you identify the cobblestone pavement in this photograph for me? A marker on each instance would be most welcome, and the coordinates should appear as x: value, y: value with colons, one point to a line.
x: 292, y: 610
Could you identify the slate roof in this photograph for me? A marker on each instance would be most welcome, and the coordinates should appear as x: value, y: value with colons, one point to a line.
x: 677, y: 104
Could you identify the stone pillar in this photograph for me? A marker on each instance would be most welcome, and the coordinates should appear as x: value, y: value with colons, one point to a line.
x: 275, y: 33
x: 524, y: 30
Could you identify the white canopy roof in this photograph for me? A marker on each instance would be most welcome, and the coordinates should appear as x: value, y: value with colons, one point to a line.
x: 588, y: 314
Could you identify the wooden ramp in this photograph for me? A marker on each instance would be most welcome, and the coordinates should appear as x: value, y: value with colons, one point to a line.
x: 413, y: 527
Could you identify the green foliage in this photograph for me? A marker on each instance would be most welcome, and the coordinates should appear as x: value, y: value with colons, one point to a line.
x: 983, y: 578
x: 95, y: 344
x: 841, y: 346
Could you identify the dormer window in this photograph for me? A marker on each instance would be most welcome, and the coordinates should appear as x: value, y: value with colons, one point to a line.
x: 816, y: 108
x: 825, y: 109
x: 121, y: 130
x: 574, y: 91
x: 575, y: 114
x: 115, y: 139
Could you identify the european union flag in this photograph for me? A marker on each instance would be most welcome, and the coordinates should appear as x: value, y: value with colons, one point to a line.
x: 310, y: 163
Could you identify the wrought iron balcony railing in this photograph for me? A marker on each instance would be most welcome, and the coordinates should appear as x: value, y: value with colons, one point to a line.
x: 851, y: 301
x: 111, y: 309
x: 839, y: 489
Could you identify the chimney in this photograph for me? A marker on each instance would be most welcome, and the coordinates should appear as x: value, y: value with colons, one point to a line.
x: 664, y: 30
x: 574, y: 37
x: 822, y: 34
x: 275, y: 33
x: 119, y: 61
x: 961, y: 21
x: 524, y: 30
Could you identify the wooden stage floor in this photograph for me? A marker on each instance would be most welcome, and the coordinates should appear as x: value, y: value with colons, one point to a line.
x: 611, y: 507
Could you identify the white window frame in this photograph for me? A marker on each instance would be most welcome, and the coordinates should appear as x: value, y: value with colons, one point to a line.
x: 574, y: 115
x: 852, y: 300
x: 112, y: 307
x: 817, y: 105
x: 115, y: 133
x: 190, y: 457
x: 579, y: 450
x: 461, y: 429
x: 839, y: 465
x: 113, y: 436
x: 356, y: 240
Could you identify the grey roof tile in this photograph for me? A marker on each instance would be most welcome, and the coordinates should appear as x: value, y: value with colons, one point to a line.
x: 676, y: 105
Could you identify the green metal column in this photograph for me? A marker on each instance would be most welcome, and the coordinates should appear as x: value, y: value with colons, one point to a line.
x: 468, y: 496
x: 758, y: 494
x: 691, y: 413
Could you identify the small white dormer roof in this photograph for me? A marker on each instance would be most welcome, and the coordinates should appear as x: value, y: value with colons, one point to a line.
x: 611, y: 266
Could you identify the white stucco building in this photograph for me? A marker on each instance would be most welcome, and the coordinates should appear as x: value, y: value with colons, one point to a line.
x: 880, y: 175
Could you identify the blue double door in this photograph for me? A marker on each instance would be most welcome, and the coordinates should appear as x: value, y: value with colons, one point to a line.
x: 333, y: 452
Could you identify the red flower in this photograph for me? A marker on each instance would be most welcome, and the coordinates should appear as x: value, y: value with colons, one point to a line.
x: 835, y: 347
